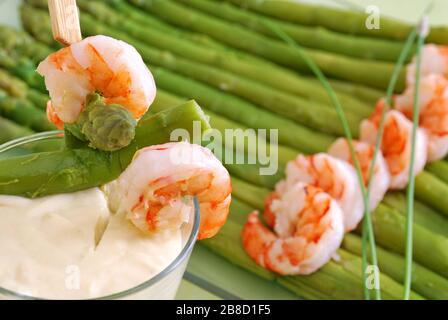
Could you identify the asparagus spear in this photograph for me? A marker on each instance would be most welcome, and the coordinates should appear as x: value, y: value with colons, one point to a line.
x: 432, y: 191
x: 278, y: 78
x: 10, y: 130
x: 423, y: 215
x: 19, y: 89
x: 360, y: 92
x: 311, y: 37
x: 22, y: 68
x: 17, y: 41
x: 337, y: 66
x: 24, y: 113
x: 336, y: 280
x: 350, y: 22
x: 439, y: 169
x: 424, y: 281
x: 429, y: 248
x: 34, y: 26
x: 49, y: 173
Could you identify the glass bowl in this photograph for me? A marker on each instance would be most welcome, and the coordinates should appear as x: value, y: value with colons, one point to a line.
x: 163, y: 285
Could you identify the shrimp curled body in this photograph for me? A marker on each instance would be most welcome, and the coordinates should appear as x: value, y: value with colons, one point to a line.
x: 307, y: 232
x: 334, y: 176
x: 396, y: 144
x: 96, y: 64
x: 433, y: 117
x: 364, y: 153
x: 155, y: 190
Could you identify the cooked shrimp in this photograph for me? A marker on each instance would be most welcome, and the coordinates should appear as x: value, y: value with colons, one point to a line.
x: 333, y: 176
x: 434, y: 61
x: 433, y: 116
x: 97, y: 64
x: 364, y: 152
x: 156, y: 188
x: 396, y: 144
x: 308, y: 231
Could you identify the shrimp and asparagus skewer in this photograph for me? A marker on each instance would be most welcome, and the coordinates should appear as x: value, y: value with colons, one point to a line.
x: 99, y: 89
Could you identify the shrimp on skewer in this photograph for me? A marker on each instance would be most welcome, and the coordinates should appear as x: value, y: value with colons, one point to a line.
x: 434, y: 61
x: 433, y: 117
x: 365, y: 152
x: 396, y: 144
x: 308, y: 230
x: 97, y: 64
x: 333, y: 176
x: 155, y: 190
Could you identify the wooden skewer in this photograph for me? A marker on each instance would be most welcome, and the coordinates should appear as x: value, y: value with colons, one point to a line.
x: 65, y: 21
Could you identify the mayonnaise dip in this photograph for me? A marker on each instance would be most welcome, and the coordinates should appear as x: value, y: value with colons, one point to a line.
x: 71, y: 246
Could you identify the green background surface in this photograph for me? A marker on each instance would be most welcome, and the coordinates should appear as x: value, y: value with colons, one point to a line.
x: 209, y: 276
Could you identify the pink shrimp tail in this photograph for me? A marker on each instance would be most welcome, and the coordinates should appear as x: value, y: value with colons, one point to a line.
x: 53, y: 117
x: 256, y: 239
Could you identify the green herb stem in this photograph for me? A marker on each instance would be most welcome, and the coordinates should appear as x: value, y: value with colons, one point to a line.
x: 411, y: 186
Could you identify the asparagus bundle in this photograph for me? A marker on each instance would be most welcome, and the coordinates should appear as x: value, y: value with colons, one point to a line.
x: 23, y: 112
x: 424, y: 281
x: 279, y: 78
x: 290, y: 133
x: 73, y: 170
x: 311, y: 37
x: 337, y: 66
x: 351, y: 22
x: 361, y: 92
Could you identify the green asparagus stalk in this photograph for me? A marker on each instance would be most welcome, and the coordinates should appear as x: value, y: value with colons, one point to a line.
x: 11, y: 85
x: 34, y: 26
x: 230, y: 129
x: 429, y: 248
x: 336, y: 280
x: 354, y: 70
x: 432, y: 191
x: 19, y: 89
x: 424, y: 281
x: 140, y: 17
x: 439, y: 169
x: 351, y: 22
x: 278, y: 78
x: 49, y: 173
x: 290, y: 133
x: 20, y: 43
x: 23, y: 112
x: 360, y: 92
x: 22, y: 68
x: 311, y: 37
x: 10, y: 130
x: 423, y: 215
x: 37, y: 98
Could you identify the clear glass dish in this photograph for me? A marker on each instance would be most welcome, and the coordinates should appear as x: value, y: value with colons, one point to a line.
x: 163, y: 285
